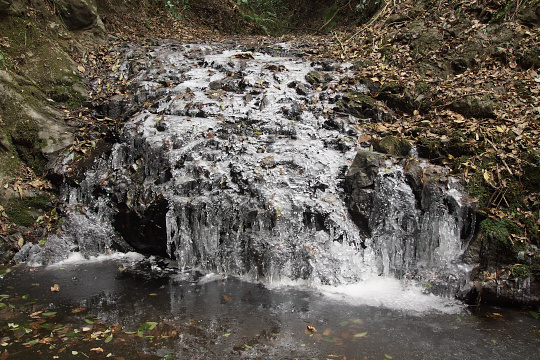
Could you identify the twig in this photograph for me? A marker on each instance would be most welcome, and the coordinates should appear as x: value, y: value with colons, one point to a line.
x: 340, y: 43
x: 507, y: 167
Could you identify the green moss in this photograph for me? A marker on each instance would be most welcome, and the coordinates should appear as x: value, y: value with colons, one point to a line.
x: 422, y: 87
x: 19, y: 211
x: 35, y: 51
x: 478, y: 188
x: 314, y: 77
x: 521, y: 271
x: 500, y: 231
x: 393, y: 146
x: 360, y: 97
x: 66, y: 94
x: 392, y: 87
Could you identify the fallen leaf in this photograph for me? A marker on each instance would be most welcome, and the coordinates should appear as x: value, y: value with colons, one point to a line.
x: 364, y: 138
x: 55, y: 288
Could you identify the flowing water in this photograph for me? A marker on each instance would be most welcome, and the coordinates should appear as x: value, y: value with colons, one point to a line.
x: 231, y: 166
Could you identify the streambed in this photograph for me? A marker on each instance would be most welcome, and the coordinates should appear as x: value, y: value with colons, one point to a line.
x: 130, y: 307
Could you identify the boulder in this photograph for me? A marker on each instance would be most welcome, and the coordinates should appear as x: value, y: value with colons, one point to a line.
x: 77, y: 14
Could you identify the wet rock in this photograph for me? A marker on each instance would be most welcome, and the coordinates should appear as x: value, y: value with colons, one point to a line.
x: 234, y: 83
x: 503, y: 289
x: 294, y: 112
x: 359, y: 185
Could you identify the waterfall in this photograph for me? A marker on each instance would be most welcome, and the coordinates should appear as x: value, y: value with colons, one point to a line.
x: 245, y: 163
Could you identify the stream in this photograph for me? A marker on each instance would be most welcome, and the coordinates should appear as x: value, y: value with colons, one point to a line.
x: 219, y: 317
x: 268, y: 230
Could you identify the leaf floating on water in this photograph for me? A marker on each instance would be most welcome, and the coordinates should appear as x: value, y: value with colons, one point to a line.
x: 330, y: 339
x: 359, y: 335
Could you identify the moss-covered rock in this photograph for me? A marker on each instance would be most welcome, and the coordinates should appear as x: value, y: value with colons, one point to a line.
x: 25, y: 211
x: 317, y: 78
x: 392, y: 145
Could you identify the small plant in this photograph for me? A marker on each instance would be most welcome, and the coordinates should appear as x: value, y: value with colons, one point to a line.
x: 4, y: 59
x: 509, y: 9
x: 263, y: 14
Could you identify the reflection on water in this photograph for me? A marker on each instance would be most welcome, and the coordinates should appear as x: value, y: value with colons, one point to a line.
x: 210, y: 316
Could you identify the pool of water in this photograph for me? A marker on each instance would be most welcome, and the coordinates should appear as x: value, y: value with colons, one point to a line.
x: 130, y: 307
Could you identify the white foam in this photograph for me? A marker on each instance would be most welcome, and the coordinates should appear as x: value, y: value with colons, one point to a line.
x: 392, y: 294
x: 76, y: 258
